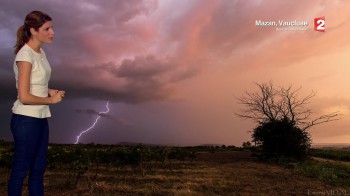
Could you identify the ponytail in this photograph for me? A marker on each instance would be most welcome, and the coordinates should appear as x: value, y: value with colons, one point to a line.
x: 23, y: 36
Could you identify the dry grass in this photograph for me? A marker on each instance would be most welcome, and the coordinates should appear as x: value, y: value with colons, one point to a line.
x: 220, y: 173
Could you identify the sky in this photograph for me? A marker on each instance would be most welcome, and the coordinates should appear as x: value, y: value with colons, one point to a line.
x: 172, y: 70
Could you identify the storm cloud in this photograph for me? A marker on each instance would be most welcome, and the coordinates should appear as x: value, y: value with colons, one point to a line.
x: 172, y: 68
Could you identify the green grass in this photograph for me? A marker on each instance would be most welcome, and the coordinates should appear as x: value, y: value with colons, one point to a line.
x: 331, y: 173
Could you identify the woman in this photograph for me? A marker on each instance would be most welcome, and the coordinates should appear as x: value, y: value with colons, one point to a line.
x: 29, y: 125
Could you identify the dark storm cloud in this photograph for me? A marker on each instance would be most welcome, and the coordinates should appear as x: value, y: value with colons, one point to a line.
x: 84, y: 39
x: 94, y: 112
x: 7, y: 88
x: 89, y: 29
x: 87, y: 111
x: 123, y: 51
x: 195, y: 52
x: 141, y: 79
x: 90, y: 33
x: 115, y: 119
x: 7, y: 77
x: 140, y: 67
x: 8, y: 92
x: 6, y: 61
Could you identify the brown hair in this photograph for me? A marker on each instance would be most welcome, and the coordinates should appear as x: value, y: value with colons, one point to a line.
x: 35, y: 20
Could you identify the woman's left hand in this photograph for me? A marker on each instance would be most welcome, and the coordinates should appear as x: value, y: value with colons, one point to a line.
x: 61, y: 93
x: 52, y: 92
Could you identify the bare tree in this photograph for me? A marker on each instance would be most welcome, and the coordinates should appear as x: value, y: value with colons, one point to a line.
x: 269, y: 104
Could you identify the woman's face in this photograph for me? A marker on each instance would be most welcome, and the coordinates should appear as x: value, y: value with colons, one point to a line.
x: 45, y: 33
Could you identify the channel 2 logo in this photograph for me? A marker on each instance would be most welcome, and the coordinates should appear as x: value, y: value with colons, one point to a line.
x: 319, y: 24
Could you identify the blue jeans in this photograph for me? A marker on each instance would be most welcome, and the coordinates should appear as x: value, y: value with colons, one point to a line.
x: 31, y: 137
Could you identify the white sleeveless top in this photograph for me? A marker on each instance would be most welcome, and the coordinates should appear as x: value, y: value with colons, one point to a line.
x: 39, y: 79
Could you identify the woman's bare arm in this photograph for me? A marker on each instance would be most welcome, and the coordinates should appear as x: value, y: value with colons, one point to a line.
x: 25, y: 97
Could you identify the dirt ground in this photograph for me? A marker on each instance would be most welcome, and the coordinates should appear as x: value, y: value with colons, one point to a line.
x: 219, y: 173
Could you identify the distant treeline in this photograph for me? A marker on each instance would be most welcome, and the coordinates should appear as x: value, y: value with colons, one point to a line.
x: 342, y: 154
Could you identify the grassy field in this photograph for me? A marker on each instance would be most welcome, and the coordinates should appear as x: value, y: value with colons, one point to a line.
x: 208, y: 173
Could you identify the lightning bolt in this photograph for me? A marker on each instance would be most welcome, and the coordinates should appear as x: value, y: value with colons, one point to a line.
x: 93, y: 125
